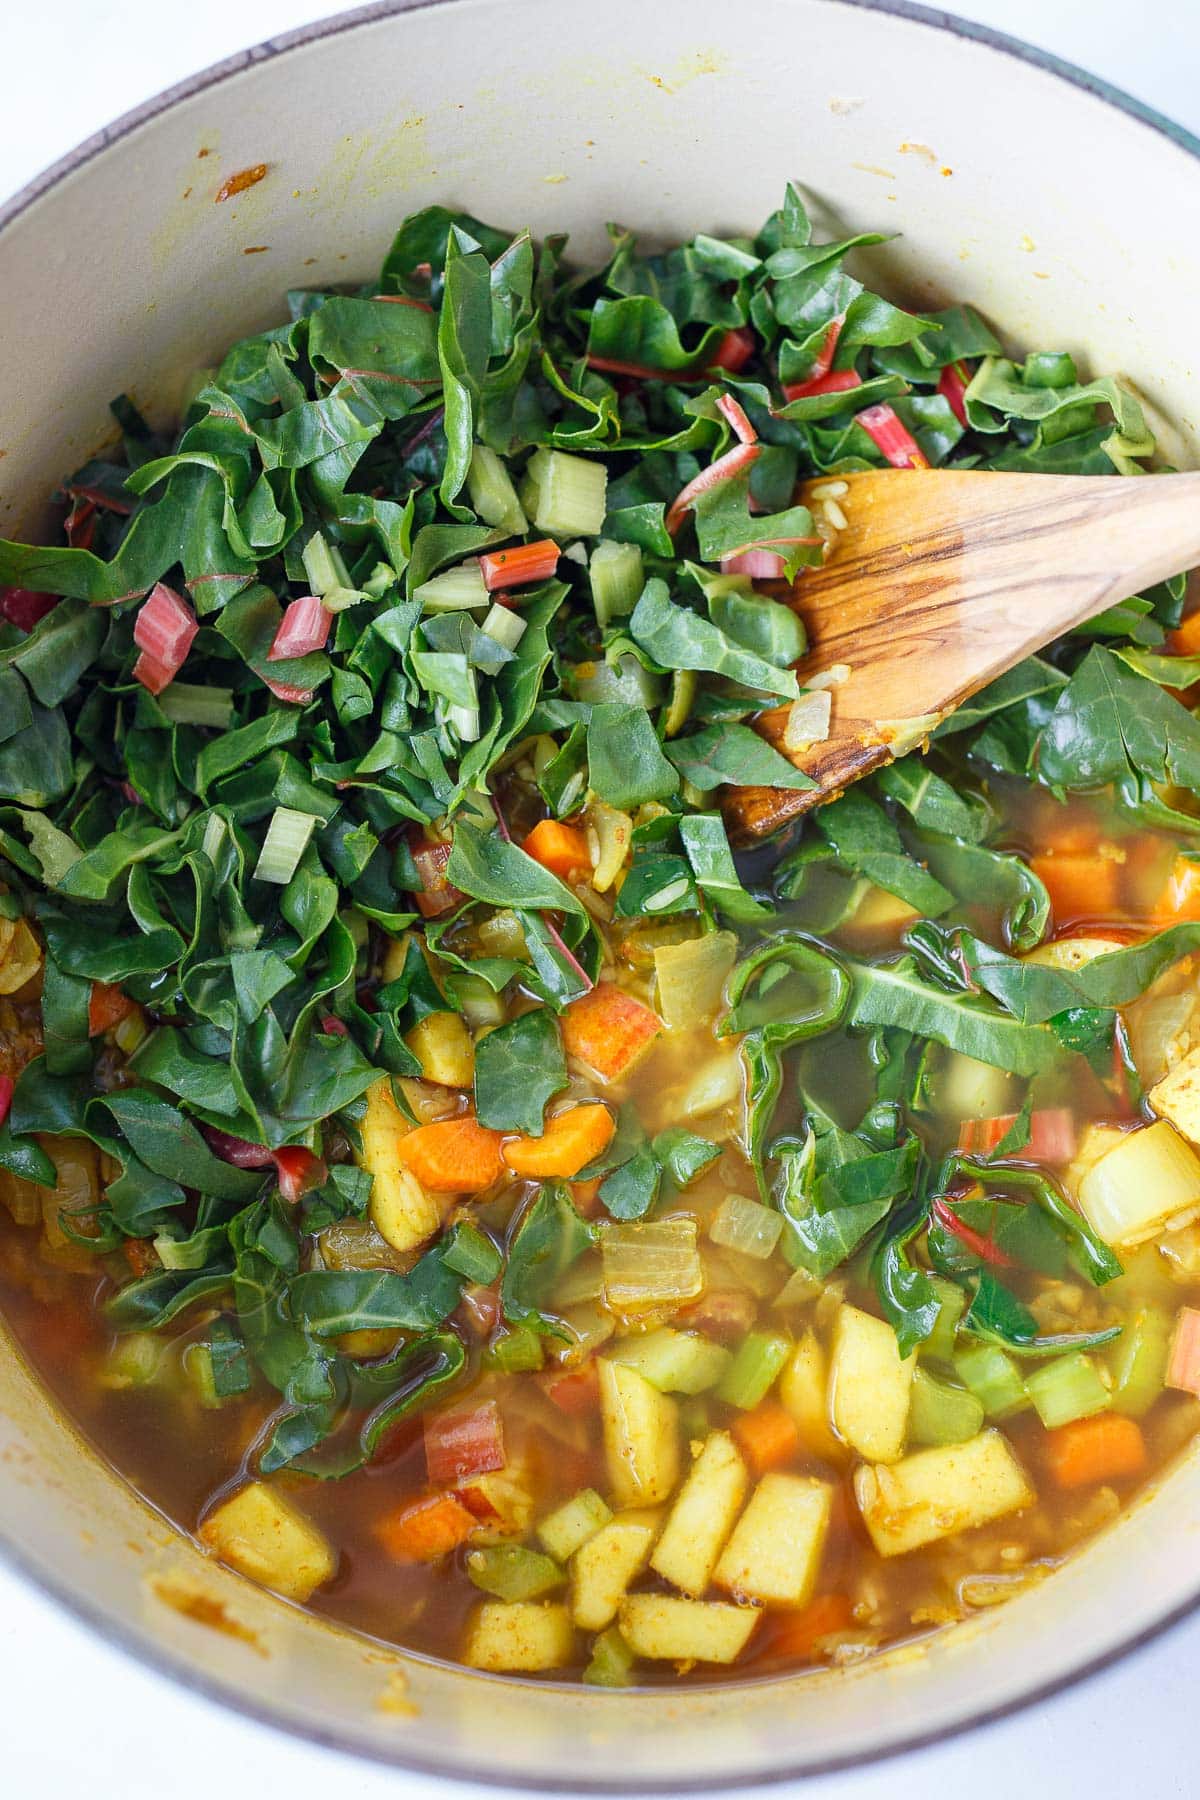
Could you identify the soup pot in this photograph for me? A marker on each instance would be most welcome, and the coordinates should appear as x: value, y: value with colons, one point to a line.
x: 1010, y: 181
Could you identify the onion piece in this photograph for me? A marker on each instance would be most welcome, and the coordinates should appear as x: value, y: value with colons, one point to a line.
x: 734, y: 415
x: 808, y: 720
x: 303, y: 629
x: 725, y: 467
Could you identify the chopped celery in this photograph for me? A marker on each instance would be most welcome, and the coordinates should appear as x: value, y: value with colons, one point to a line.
x: 480, y: 1003
x: 135, y: 1360
x: 130, y: 1031
x: 939, y: 1345
x: 187, y: 704
x: 464, y: 721
x: 584, y: 1280
x: 746, y: 1226
x: 675, y: 1362
x: 469, y: 1253
x: 754, y: 1370
x: 685, y: 685
x: 327, y: 573
x: 693, y: 1417
x: 649, y: 1263
x: 1138, y: 1361
x: 628, y: 681
x: 198, y: 1367
x: 455, y: 590
x: 1066, y: 1388
x: 285, y: 843
x: 941, y: 1414
x: 993, y: 1378
x: 612, y: 1661
x: 492, y: 493
x: 514, y: 1572
x: 589, y: 1325
x: 617, y: 579
x: 573, y: 1523
x: 565, y: 495
x: 503, y: 626
x: 514, y: 1351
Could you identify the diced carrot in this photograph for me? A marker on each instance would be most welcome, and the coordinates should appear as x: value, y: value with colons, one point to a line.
x: 1081, y: 885
x: 585, y: 1196
x: 1183, y: 1366
x: 464, y: 1441
x: 107, y: 1006
x: 1179, y: 902
x: 571, y: 1140
x: 563, y: 849
x: 141, y: 1255
x: 426, y: 1530
x: 797, y: 1635
x: 1106, y: 1447
x: 452, y: 1156
x: 573, y: 1391
x: 520, y: 565
x: 1051, y: 1134
x: 1185, y: 639
x: 609, y: 1030
x: 768, y: 1435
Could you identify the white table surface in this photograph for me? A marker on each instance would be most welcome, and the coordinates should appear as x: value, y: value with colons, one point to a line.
x: 81, y: 1719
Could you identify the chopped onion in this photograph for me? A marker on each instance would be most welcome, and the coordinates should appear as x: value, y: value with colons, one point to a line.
x: 808, y: 720
x: 725, y: 467
x: 650, y: 1263
x: 745, y: 1226
x: 304, y: 628
x: 691, y: 978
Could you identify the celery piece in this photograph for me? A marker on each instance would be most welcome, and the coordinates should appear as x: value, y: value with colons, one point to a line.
x: 675, y: 1362
x: 573, y: 1523
x: 939, y: 1345
x: 493, y: 496
x: 130, y: 1031
x: 1138, y: 1361
x: 514, y: 1572
x: 617, y: 579
x: 1066, y: 1388
x: 941, y: 1414
x: 503, y: 625
x: 479, y: 1002
x: 455, y: 590
x: 756, y: 1365
x: 685, y: 685
x: 198, y: 1367
x: 514, y: 1351
x: 612, y: 1661
x: 470, y: 1254
x: 323, y: 565
x: 465, y: 723
x: 135, y: 1360
x: 994, y: 1379
x: 584, y: 1280
x: 746, y: 1226
x: 187, y: 704
x: 285, y: 843
x: 565, y: 494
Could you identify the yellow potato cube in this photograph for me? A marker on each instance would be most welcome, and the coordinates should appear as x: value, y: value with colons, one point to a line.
x: 401, y: 1211
x: 1070, y: 954
x: 775, y: 1551
x: 572, y: 1524
x: 261, y: 1534
x: 519, y: 1635
x: 869, y: 1385
x: 20, y: 956
x: 940, y: 1492
x: 665, y: 1628
x: 1177, y: 1096
x: 702, y: 1516
x: 804, y: 1390
x: 603, y: 1567
x: 641, y: 1435
x: 442, y: 1045
x: 394, y: 957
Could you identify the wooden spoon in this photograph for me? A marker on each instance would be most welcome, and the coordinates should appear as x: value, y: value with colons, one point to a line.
x: 941, y: 581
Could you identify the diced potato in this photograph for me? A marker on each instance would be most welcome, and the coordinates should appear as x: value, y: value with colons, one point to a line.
x: 1177, y: 1096
x: 939, y: 1492
x: 502, y: 1502
x: 665, y: 1628
x: 869, y: 1385
x: 401, y: 1211
x: 571, y: 1525
x: 675, y: 1362
x: 519, y: 1635
x: 1150, y: 1180
x: 442, y: 1045
x: 20, y: 957
x: 1070, y: 954
x: 878, y: 912
x: 804, y: 1390
x: 968, y: 1089
x: 775, y: 1551
x: 602, y: 1569
x: 394, y: 956
x: 641, y: 1435
x: 703, y: 1516
x: 261, y: 1534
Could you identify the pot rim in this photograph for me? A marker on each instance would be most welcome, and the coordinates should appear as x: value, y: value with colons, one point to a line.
x: 128, y: 1640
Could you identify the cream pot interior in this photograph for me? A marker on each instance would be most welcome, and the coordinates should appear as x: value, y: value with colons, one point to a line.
x: 1043, y: 203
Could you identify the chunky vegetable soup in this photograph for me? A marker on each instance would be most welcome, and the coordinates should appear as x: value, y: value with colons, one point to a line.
x: 442, y: 1168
